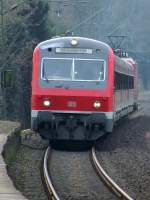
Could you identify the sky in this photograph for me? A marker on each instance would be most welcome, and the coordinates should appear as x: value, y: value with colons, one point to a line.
x: 98, y: 19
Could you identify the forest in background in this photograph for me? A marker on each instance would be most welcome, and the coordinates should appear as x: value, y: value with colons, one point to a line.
x: 25, y: 23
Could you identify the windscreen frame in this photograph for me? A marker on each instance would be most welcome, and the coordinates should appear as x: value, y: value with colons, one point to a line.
x: 72, y: 69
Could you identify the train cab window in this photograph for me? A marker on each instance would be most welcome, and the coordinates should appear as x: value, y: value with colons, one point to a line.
x: 89, y: 70
x: 56, y: 69
x: 71, y: 69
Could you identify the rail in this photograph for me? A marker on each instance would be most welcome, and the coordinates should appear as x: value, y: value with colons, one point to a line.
x: 107, y: 180
x: 47, y: 177
x: 100, y: 171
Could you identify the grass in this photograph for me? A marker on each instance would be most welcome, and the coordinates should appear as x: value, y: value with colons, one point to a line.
x: 8, y: 126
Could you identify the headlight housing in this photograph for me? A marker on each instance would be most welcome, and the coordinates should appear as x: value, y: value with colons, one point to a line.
x: 46, y: 103
x: 97, y: 104
x: 74, y: 42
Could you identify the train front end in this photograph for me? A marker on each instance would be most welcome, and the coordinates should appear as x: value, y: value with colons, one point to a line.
x: 72, y: 89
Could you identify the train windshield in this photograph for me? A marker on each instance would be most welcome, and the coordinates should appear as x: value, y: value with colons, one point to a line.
x: 89, y: 70
x: 57, y: 69
x: 73, y: 69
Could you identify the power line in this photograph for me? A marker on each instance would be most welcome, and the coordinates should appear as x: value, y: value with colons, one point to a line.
x: 66, y: 1
x: 116, y: 41
x: 88, y: 19
x: 139, y: 53
x: 119, y: 26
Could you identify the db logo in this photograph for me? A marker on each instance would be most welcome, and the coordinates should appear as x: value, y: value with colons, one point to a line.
x: 72, y: 104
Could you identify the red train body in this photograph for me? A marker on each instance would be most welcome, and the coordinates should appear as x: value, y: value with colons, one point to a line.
x: 80, y: 88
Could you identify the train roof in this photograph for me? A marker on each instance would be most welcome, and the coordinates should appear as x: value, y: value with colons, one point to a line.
x: 125, y: 65
x: 131, y: 61
x: 65, y: 41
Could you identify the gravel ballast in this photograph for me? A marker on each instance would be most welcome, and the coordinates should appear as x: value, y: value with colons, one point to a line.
x: 125, y: 154
x: 75, y: 179
x: 24, y: 154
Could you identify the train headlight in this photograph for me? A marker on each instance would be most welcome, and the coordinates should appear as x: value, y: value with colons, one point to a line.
x: 74, y: 42
x: 97, y: 104
x: 46, y: 103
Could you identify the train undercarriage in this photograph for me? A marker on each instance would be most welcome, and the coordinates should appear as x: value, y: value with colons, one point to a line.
x: 72, y: 126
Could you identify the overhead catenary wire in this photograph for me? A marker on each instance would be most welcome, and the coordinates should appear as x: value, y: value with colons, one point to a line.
x: 99, y: 11
x: 89, y: 18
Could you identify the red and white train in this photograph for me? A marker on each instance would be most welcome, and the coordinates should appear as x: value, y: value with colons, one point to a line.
x: 80, y: 88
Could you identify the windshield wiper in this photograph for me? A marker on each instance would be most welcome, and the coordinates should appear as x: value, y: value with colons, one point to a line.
x: 47, y: 80
x: 59, y: 85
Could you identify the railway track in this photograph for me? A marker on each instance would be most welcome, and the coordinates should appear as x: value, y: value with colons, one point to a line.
x: 121, y: 194
x: 47, y: 177
x: 97, y: 167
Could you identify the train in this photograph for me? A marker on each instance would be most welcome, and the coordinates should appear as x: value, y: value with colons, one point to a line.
x: 80, y: 88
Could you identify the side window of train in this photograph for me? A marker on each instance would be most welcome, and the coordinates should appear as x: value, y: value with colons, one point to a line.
x: 126, y: 83
x: 131, y: 82
x: 123, y: 82
x: 119, y: 81
x: 116, y: 81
